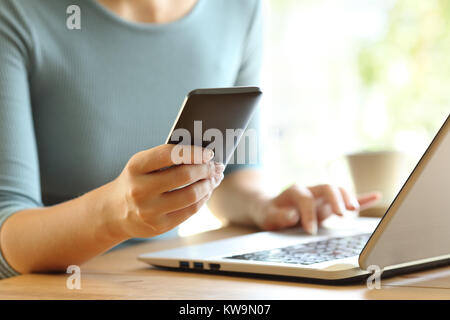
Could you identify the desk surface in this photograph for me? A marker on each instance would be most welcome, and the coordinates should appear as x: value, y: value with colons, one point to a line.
x: 119, y: 275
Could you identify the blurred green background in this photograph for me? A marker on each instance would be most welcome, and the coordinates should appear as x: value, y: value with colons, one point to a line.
x: 344, y: 76
x: 410, y: 64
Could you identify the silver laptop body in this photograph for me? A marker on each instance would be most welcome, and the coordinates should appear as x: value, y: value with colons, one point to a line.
x: 414, y: 233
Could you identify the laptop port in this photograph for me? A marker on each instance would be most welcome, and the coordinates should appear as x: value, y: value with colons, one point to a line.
x: 198, y: 265
x: 214, y: 266
x: 184, y: 264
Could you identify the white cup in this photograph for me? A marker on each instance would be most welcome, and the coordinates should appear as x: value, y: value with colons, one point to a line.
x: 382, y: 171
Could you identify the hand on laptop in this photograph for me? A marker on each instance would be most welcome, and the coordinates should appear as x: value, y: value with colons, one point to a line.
x: 241, y: 199
x: 309, y: 206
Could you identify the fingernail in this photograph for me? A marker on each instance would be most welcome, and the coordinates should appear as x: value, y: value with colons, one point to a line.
x: 220, y: 167
x: 208, y: 154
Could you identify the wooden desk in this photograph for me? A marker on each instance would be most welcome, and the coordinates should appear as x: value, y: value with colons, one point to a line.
x: 118, y: 275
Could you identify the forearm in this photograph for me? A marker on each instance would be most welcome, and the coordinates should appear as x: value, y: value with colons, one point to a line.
x: 53, y: 238
x: 239, y: 197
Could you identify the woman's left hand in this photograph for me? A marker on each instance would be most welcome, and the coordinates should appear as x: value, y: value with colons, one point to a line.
x: 309, y: 206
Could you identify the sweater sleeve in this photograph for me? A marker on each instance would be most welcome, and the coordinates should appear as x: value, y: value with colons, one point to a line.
x: 19, y: 168
x: 249, y: 75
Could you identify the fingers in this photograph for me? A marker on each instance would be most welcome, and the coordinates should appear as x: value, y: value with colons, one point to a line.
x: 324, y: 210
x: 293, y: 205
x: 310, y: 206
x: 166, y: 179
x: 368, y: 200
x: 332, y: 195
x: 304, y: 202
x: 173, y: 219
x: 167, y: 155
x: 350, y: 201
x: 183, y: 198
x: 360, y: 203
x: 183, y: 175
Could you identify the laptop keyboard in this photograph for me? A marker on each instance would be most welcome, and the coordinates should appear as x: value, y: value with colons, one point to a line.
x: 311, y: 252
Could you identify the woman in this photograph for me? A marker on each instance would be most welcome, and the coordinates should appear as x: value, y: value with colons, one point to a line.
x: 83, y: 112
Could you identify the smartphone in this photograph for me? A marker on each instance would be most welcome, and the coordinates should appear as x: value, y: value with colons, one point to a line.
x: 215, y: 118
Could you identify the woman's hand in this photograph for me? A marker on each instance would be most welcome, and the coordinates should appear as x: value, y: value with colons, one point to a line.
x: 308, y: 206
x: 141, y: 202
x: 155, y: 193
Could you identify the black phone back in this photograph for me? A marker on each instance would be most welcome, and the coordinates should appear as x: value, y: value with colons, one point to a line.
x: 215, y: 118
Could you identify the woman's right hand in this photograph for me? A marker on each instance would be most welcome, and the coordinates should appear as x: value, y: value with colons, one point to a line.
x: 155, y: 193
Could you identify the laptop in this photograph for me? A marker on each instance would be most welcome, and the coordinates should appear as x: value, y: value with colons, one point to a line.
x: 413, y: 234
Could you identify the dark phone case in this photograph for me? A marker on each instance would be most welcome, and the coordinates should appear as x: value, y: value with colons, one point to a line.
x: 219, y: 108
